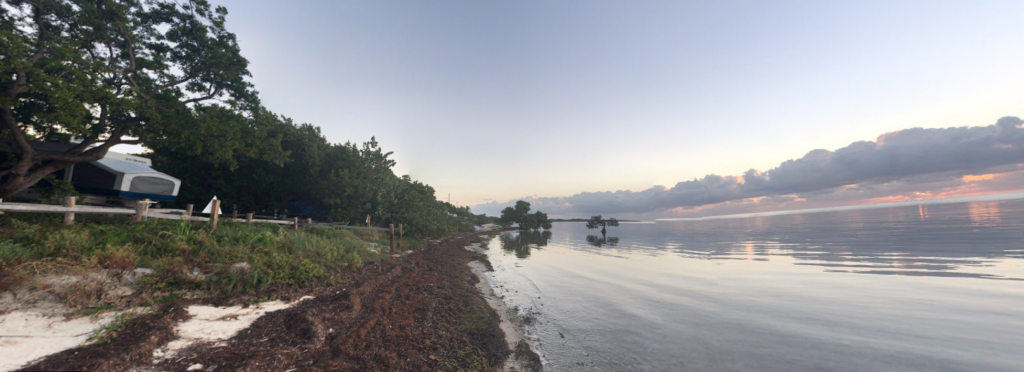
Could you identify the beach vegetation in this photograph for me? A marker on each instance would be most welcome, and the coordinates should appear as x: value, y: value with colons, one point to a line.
x: 164, y: 257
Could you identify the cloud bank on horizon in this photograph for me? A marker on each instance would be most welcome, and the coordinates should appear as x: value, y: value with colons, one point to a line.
x: 926, y: 162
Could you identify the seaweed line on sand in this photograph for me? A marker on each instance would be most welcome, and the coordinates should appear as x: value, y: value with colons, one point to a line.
x: 513, y: 324
x: 415, y: 312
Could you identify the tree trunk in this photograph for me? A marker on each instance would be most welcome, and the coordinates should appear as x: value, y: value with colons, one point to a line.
x: 19, y: 181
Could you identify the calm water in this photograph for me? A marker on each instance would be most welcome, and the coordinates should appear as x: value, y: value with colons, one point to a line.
x: 919, y: 288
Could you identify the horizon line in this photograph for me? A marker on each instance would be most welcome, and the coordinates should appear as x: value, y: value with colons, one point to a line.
x: 951, y: 200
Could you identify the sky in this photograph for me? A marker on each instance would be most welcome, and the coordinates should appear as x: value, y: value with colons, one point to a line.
x: 627, y: 108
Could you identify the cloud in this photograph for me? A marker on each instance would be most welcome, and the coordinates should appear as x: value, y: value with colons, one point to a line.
x: 913, y: 156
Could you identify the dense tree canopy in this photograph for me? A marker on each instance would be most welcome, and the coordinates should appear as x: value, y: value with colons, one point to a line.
x: 307, y: 176
x: 520, y: 214
x: 113, y: 72
x: 169, y: 76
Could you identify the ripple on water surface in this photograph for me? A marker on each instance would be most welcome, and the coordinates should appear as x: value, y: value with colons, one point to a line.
x: 911, y: 288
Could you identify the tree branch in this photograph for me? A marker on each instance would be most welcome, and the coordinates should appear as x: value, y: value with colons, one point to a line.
x: 19, y: 82
x: 173, y: 83
x: 37, y: 17
x: 203, y: 98
x: 11, y: 125
x: 130, y: 47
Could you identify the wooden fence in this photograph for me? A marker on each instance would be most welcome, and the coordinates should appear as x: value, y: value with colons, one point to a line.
x: 142, y: 212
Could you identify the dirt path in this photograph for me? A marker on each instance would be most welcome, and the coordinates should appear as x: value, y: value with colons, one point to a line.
x: 419, y: 312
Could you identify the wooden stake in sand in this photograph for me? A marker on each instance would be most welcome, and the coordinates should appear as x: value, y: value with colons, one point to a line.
x: 392, y: 228
x: 214, y: 214
x: 141, y: 210
x: 69, y: 218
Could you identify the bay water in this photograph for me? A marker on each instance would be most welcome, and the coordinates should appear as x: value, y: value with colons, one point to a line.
x: 934, y: 287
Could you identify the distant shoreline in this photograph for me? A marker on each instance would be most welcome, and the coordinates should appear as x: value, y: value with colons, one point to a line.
x: 953, y: 200
x: 585, y: 220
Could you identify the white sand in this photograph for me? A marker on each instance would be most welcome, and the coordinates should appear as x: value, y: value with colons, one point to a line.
x: 211, y: 324
x: 28, y: 335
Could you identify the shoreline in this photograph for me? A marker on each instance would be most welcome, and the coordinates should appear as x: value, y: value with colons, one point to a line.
x: 419, y: 311
x: 524, y: 357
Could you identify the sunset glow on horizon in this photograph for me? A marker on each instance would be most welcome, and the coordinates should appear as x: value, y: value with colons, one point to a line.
x: 565, y: 103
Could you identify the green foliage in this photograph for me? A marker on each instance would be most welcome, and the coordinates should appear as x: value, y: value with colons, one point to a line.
x: 597, y: 221
x: 132, y: 71
x: 520, y: 214
x: 311, y: 177
x: 57, y: 190
x: 466, y: 215
x: 109, y: 331
x: 185, y: 256
x: 109, y: 72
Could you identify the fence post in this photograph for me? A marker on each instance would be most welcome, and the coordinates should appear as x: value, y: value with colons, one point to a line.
x: 309, y: 222
x: 69, y: 218
x: 392, y: 228
x: 399, y: 236
x: 248, y: 218
x: 234, y: 215
x: 367, y: 220
x: 188, y: 210
x: 296, y: 223
x: 141, y: 210
x: 214, y: 214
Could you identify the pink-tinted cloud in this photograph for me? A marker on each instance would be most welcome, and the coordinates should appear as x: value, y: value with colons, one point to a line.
x: 903, y: 165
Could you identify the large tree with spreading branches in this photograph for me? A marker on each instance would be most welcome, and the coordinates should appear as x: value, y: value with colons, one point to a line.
x: 110, y: 72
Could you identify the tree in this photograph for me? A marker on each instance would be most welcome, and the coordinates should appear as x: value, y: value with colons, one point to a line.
x: 109, y: 72
x: 597, y: 221
x: 520, y: 214
x: 376, y: 161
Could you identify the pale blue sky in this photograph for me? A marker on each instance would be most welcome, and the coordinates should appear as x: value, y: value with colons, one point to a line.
x: 498, y: 100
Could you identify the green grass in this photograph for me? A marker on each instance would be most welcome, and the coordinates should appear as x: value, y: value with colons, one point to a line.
x: 383, y: 239
x: 275, y: 254
x: 110, y: 330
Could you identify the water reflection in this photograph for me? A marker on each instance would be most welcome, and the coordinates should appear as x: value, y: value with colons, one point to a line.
x: 601, y: 241
x: 840, y: 291
x: 523, y: 241
x: 984, y: 214
x: 977, y: 240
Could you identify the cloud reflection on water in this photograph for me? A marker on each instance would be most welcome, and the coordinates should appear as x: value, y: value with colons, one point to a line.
x: 982, y: 240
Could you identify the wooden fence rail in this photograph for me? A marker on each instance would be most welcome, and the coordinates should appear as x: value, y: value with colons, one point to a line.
x: 338, y: 226
x: 142, y: 212
x: 44, y: 208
